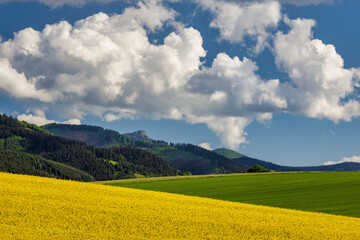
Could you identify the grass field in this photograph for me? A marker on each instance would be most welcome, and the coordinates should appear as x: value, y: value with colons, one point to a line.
x: 43, y: 208
x: 328, y: 192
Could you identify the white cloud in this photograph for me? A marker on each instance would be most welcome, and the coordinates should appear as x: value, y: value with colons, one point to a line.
x: 237, y: 19
x: 73, y: 121
x: 39, y: 119
x: 105, y: 66
x: 206, y: 146
x: 319, y: 81
x: 21, y: 87
x: 355, y: 159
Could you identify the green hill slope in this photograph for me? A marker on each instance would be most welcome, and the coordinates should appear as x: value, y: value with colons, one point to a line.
x: 328, y: 192
x: 92, y: 135
x: 186, y: 157
x: 197, y: 160
x: 29, y: 164
x: 100, y: 163
x: 228, y: 153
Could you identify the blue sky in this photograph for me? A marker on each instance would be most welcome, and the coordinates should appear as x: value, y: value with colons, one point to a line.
x: 273, y: 80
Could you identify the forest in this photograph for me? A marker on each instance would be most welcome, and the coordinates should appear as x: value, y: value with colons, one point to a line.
x: 99, y: 163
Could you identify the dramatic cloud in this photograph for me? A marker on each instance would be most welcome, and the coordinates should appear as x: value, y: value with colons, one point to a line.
x: 355, y: 159
x: 319, y: 82
x: 237, y: 19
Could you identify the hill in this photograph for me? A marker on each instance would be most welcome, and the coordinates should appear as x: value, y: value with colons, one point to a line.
x: 328, y: 192
x: 228, y: 153
x: 208, y: 163
x: 29, y: 164
x: 138, y: 136
x: 196, y: 162
x: 44, y: 208
x: 92, y: 135
x: 100, y: 163
x: 186, y: 157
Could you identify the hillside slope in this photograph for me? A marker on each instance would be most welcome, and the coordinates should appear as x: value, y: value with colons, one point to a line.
x: 327, y: 192
x: 29, y: 164
x: 186, y: 157
x: 101, y: 163
x: 58, y: 209
x: 91, y: 135
x: 228, y: 153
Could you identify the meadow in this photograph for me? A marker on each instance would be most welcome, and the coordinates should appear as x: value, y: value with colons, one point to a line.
x: 328, y: 192
x: 44, y: 208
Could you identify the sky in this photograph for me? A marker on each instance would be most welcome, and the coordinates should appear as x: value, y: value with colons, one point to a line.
x: 275, y: 80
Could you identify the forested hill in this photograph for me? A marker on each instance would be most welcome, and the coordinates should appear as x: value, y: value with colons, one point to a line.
x: 186, y: 157
x: 211, y: 163
x: 92, y: 135
x: 99, y: 137
x: 99, y: 163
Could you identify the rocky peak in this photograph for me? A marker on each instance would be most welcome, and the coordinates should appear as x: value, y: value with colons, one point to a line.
x: 138, y: 136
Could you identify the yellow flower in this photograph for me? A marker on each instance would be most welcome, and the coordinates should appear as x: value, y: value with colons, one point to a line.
x: 43, y: 208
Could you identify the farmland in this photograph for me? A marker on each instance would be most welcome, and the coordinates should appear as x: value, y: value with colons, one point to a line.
x: 328, y: 192
x: 43, y: 208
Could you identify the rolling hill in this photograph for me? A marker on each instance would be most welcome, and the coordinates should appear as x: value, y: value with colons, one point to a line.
x: 91, y: 135
x: 186, y: 157
x: 43, y: 208
x: 228, y: 153
x: 327, y: 192
x: 100, y: 163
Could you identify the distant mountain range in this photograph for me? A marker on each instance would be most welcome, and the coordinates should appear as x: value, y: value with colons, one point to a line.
x: 186, y: 157
x: 346, y: 166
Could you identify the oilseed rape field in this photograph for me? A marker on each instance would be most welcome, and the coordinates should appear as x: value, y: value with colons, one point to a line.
x: 43, y: 208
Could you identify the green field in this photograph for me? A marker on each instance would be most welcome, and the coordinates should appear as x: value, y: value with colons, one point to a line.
x: 328, y: 192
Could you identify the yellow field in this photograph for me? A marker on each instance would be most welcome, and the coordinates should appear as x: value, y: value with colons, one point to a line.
x: 42, y: 208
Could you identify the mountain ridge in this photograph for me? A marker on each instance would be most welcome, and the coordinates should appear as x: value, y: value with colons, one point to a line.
x: 100, y: 163
x: 180, y: 156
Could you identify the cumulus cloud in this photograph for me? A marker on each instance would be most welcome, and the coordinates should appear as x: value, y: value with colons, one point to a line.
x: 355, y: 159
x: 206, y: 146
x: 106, y: 66
x: 319, y: 81
x: 238, y: 19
